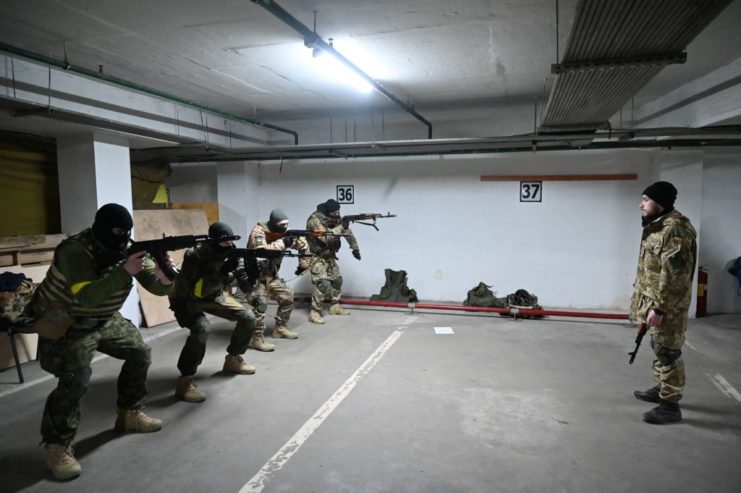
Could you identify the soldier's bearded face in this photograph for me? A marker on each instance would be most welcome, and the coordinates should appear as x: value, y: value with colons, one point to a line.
x: 650, y: 210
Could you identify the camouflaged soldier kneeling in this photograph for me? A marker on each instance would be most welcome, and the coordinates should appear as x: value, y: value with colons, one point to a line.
x: 200, y: 288
x: 75, y: 310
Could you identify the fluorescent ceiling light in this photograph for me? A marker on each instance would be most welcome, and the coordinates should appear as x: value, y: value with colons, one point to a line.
x: 332, y: 67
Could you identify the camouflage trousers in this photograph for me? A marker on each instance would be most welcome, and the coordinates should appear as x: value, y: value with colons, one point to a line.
x: 69, y: 359
x: 668, y: 366
x: 325, y: 275
x: 191, y: 314
x: 275, y: 289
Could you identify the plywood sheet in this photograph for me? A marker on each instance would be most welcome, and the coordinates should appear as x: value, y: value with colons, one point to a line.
x: 151, y: 225
x: 210, y: 208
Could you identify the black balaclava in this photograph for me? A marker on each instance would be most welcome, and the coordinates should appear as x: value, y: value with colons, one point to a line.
x: 113, y: 216
x: 664, y: 194
x: 217, y: 231
x: 330, y: 205
x: 276, y: 216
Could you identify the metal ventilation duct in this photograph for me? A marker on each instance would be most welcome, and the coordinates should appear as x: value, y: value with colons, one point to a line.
x: 616, y: 47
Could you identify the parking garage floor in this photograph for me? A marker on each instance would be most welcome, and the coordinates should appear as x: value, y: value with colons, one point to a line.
x: 393, y: 401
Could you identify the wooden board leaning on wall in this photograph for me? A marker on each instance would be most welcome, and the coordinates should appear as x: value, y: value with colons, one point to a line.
x: 151, y: 225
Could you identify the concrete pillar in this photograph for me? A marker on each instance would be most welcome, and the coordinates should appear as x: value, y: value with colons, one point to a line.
x: 94, y: 170
x: 237, y: 193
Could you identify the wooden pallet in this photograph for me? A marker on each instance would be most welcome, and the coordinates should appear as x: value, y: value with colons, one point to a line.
x: 28, y: 250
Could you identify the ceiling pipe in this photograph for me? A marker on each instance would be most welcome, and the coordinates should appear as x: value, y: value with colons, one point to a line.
x: 65, y: 65
x: 620, y: 139
x: 312, y: 39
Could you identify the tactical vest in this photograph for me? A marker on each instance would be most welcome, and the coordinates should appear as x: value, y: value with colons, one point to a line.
x: 269, y: 268
x: 331, y: 245
x: 54, y: 289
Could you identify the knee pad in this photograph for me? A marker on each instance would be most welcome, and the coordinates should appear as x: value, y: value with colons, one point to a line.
x: 337, y: 283
x: 665, y: 355
x: 261, y: 304
x: 325, y: 286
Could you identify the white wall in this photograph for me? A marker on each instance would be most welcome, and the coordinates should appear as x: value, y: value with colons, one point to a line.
x: 721, y: 239
x: 578, y: 248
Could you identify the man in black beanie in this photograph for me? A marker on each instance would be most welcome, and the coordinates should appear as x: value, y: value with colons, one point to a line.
x: 325, y: 273
x: 661, y: 296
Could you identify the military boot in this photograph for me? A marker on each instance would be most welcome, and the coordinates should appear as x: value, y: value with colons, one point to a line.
x: 336, y: 309
x: 187, y: 390
x: 650, y: 395
x: 315, y: 317
x: 136, y: 421
x: 281, y: 331
x: 257, y: 341
x: 235, y: 364
x: 60, y: 459
x: 666, y: 412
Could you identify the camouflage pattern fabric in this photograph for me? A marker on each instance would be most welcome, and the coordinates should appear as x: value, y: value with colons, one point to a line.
x: 666, y: 266
x: 69, y: 359
x: 325, y: 275
x: 270, y: 284
x: 200, y: 288
x: 192, y: 315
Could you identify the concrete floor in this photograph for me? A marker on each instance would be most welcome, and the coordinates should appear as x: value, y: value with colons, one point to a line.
x: 377, y: 402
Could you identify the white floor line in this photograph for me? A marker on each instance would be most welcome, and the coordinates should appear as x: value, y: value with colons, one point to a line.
x: 277, y: 461
x: 687, y: 343
x: 36, y: 381
x: 725, y: 387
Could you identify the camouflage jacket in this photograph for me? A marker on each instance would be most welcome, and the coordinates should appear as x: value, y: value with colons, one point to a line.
x: 89, y: 280
x: 269, y: 268
x: 666, y: 266
x: 327, y: 246
x: 200, y: 276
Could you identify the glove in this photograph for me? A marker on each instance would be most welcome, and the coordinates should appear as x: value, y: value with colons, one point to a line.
x: 299, y: 270
x: 229, y: 266
x: 345, y: 224
x: 288, y: 241
x: 356, y: 254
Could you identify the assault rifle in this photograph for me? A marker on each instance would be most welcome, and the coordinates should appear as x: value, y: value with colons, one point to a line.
x: 251, y: 269
x: 639, y: 337
x: 372, y: 216
x: 295, y: 233
x: 158, y: 248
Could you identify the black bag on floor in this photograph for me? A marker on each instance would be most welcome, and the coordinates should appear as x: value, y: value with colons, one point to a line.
x: 396, y: 288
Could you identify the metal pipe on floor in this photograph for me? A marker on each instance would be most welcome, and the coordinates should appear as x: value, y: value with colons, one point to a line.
x: 482, y: 309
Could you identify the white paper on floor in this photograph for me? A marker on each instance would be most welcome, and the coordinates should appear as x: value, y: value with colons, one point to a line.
x: 444, y: 330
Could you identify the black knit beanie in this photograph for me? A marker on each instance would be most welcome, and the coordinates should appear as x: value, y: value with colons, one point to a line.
x: 663, y: 193
x: 330, y: 205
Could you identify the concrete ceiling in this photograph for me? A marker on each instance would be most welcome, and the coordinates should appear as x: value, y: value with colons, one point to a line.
x: 234, y: 55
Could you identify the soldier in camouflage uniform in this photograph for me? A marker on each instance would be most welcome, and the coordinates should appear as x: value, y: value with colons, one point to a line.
x: 76, y: 311
x: 325, y: 273
x: 661, y: 296
x: 200, y: 288
x: 270, y: 284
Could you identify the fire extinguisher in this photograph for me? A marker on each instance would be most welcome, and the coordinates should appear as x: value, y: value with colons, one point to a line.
x: 702, y: 291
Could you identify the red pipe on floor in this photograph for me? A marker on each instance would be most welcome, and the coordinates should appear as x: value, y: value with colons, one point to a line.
x: 505, y: 311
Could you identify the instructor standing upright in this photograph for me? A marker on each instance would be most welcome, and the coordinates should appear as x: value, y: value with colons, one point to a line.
x: 661, y: 296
